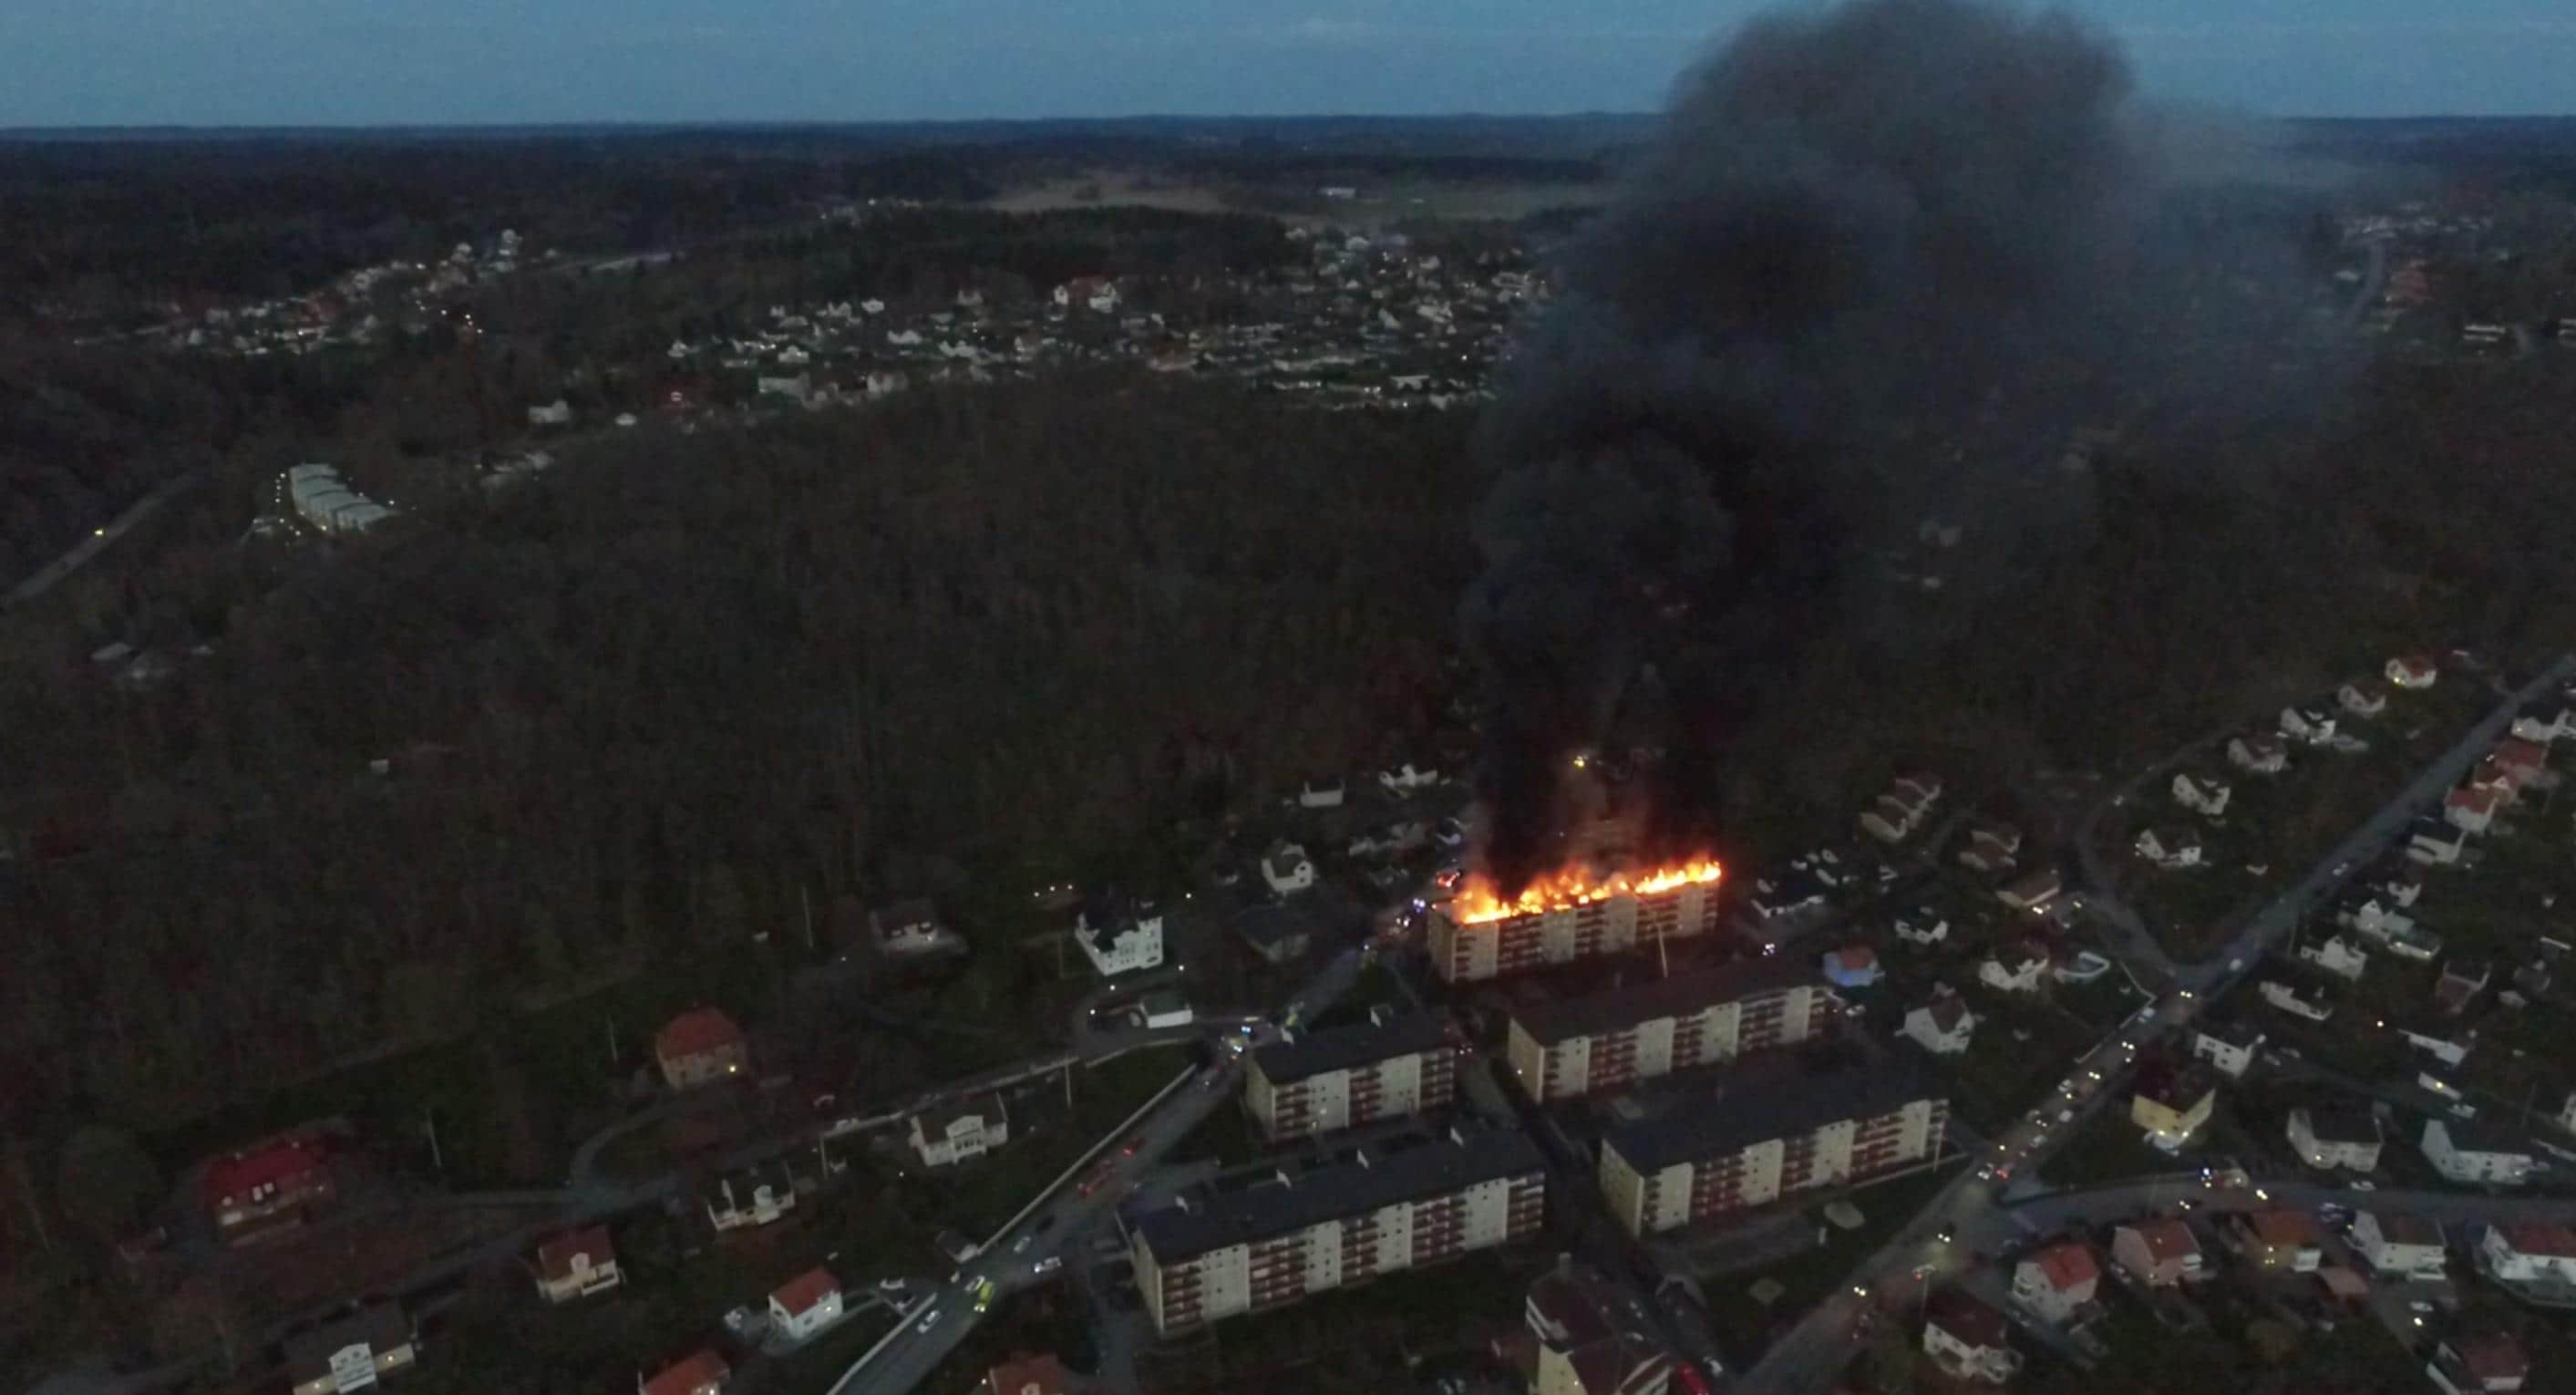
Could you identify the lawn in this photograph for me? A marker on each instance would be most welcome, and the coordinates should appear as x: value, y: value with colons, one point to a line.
x: 2357, y: 1358
x: 1745, y: 1326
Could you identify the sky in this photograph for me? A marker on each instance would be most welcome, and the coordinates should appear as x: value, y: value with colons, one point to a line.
x: 441, y: 62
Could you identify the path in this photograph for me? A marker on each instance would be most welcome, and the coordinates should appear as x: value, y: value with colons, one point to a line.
x: 99, y: 541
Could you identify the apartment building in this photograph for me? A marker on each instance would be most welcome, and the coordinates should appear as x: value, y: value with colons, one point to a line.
x: 1778, y: 1134
x: 1603, y: 1041
x: 1385, y: 1068
x: 1270, y: 1236
x: 1515, y: 943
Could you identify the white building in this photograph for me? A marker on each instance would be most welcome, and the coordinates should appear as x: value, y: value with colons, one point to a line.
x: 2053, y: 1283
x: 1922, y: 926
x: 2335, y: 957
x: 1942, y: 1026
x: 2528, y: 1252
x: 2400, y: 1243
x: 2288, y: 999
x: 951, y: 1135
x: 805, y: 1305
x: 1968, y: 1340
x: 2230, y: 1049
x: 2202, y: 794
x: 1119, y: 940
x: 2465, y: 1151
x: 2332, y: 1138
x: 2359, y: 701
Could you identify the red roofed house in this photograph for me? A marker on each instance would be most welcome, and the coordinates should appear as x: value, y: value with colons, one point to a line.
x: 2412, y: 671
x: 2487, y: 1361
x: 577, y: 1265
x: 2160, y: 1253
x: 265, y: 1188
x: 1029, y: 1375
x: 700, y: 1045
x: 1852, y: 966
x: 2470, y: 809
x: 2056, y: 1281
x: 2529, y: 1252
x: 1968, y: 1340
x: 702, y: 1373
x: 2281, y: 1240
x: 805, y: 1305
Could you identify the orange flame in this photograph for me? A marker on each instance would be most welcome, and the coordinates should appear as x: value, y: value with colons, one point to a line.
x: 1478, y: 901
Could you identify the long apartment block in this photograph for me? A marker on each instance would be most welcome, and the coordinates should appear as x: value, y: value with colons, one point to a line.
x: 1602, y: 1041
x: 1388, y: 1067
x: 1473, y: 949
x: 1270, y: 1236
x: 1772, y: 1135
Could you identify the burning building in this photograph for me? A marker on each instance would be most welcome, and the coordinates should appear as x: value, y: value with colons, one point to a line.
x: 1570, y: 914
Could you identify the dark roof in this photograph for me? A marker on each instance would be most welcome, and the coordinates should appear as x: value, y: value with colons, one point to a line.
x: 1768, y: 1105
x: 2478, y: 1136
x: 1618, y: 1008
x: 381, y: 1326
x: 1299, y: 1055
x: 1968, y: 1320
x: 2244, y: 1036
x: 2343, y: 1124
x: 1373, y: 1178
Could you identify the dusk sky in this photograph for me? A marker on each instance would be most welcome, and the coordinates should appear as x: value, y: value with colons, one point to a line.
x: 354, y: 62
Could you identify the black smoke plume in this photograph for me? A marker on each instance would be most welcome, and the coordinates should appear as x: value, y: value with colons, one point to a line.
x: 1932, y: 221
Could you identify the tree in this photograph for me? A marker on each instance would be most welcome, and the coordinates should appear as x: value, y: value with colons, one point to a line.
x: 105, y: 1183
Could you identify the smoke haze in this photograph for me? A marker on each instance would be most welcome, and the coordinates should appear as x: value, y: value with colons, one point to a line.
x: 1933, y: 222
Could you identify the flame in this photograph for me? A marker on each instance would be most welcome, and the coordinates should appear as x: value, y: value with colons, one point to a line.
x: 1567, y: 887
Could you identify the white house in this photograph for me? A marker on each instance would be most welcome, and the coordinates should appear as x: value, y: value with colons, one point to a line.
x: 2330, y: 1138
x: 577, y: 1265
x: 805, y: 1305
x: 2053, y: 1283
x: 2170, y: 847
x: 1119, y: 940
x: 2465, y: 1151
x: 555, y: 413
x: 2230, y: 1049
x: 2449, y: 1050
x: 2260, y: 754
x: 1942, y: 1025
x: 2373, y: 917
x: 758, y: 1197
x: 2400, y: 1243
x: 1968, y: 1340
x: 2335, y: 956
x: 2412, y: 672
x: 2545, y: 722
x: 1286, y: 868
x: 2202, y: 794
x: 2360, y: 701
x: 2016, y: 969
x: 2287, y: 999
x: 1323, y: 793
x: 1166, y: 1007
x: 954, y: 1133
x: 2471, y: 809
x: 1408, y: 777
x: 1889, y: 820
x: 2435, y: 841
x: 2527, y: 1252
x: 796, y: 387
x: 2313, y: 725
x: 1922, y: 926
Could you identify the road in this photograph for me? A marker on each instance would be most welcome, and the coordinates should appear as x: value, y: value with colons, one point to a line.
x: 933, y: 1325
x: 1934, y: 1243
x: 99, y: 541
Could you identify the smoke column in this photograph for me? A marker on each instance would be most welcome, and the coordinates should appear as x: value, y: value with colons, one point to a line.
x: 1890, y: 212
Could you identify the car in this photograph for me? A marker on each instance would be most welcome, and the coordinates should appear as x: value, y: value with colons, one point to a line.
x: 896, y: 1284
x: 1132, y: 1145
x: 1048, y: 1265
x: 2419, y: 1306
x: 984, y: 1295
x: 928, y: 1321
x: 2364, y: 1184
x: 2065, y: 1116
x: 1021, y: 1245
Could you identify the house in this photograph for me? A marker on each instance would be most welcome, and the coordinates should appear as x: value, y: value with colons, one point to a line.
x: 1275, y: 933
x: 700, y: 1046
x: 2471, y: 809
x: 2258, y: 754
x: 555, y: 413
x: 1852, y: 966
x: 1941, y: 1025
x: 2467, y: 1151
x: 910, y: 927
x: 2522, y: 763
x: 266, y: 1187
x: 1098, y: 294
x: 2230, y: 1048
x: 2449, y: 1050
x: 2360, y: 701
x: 2055, y: 1282
x: 2545, y: 721
x: 1922, y: 926
x: 2372, y: 916
x: 2400, y: 1243
x: 1991, y: 848
x: 952, y: 1134
x: 700, y: 1373
x: 2330, y: 1136
x: 2170, y: 847
x: 2287, y: 999
x: 2482, y: 1363
x: 755, y: 1197
x: 1408, y: 777
x: 2461, y: 982
x: 2017, y: 968
x: 2413, y: 672
x: 2032, y: 892
x: 2157, y: 1253
x: 1918, y: 791
x: 805, y: 1305
x: 1118, y: 937
x: 1165, y: 1007
x: 2279, y: 1240
x: 1968, y: 1340
x: 1038, y: 1374
x: 2172, y: 1105
x: 2528, y: 1252
x: 1585, y: 1337
x: 2202, y: 794
x: 1323, y: 792
x: 2312, y: 724
x: 2435, y: 841
x: 1888, y: 820
x: 350, y: 1353
x: 2334, y: 955
x: 2401, y: 884
x: 1286, y: 868
x: 577, y: 1265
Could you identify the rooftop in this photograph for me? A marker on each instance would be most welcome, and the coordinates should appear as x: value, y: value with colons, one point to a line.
x: 555, y: 1257
x: 380, y: 1326
x: 799, y: 1295
x: 1373, y: 1176
x: 1755, y: 1106
x: 1615, y: 1009
x: 698, y: 1029
x: 1297, y: 1055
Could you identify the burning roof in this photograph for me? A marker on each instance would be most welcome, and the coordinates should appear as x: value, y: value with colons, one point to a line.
x: 1479, y: 900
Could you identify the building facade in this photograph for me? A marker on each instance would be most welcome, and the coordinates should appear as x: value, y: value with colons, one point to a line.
x: 1386, y: 1068
x: 1764, y: 1140
x: 1598, y: 1043
x: 1511, y: 944
x: 1341, y: 1220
